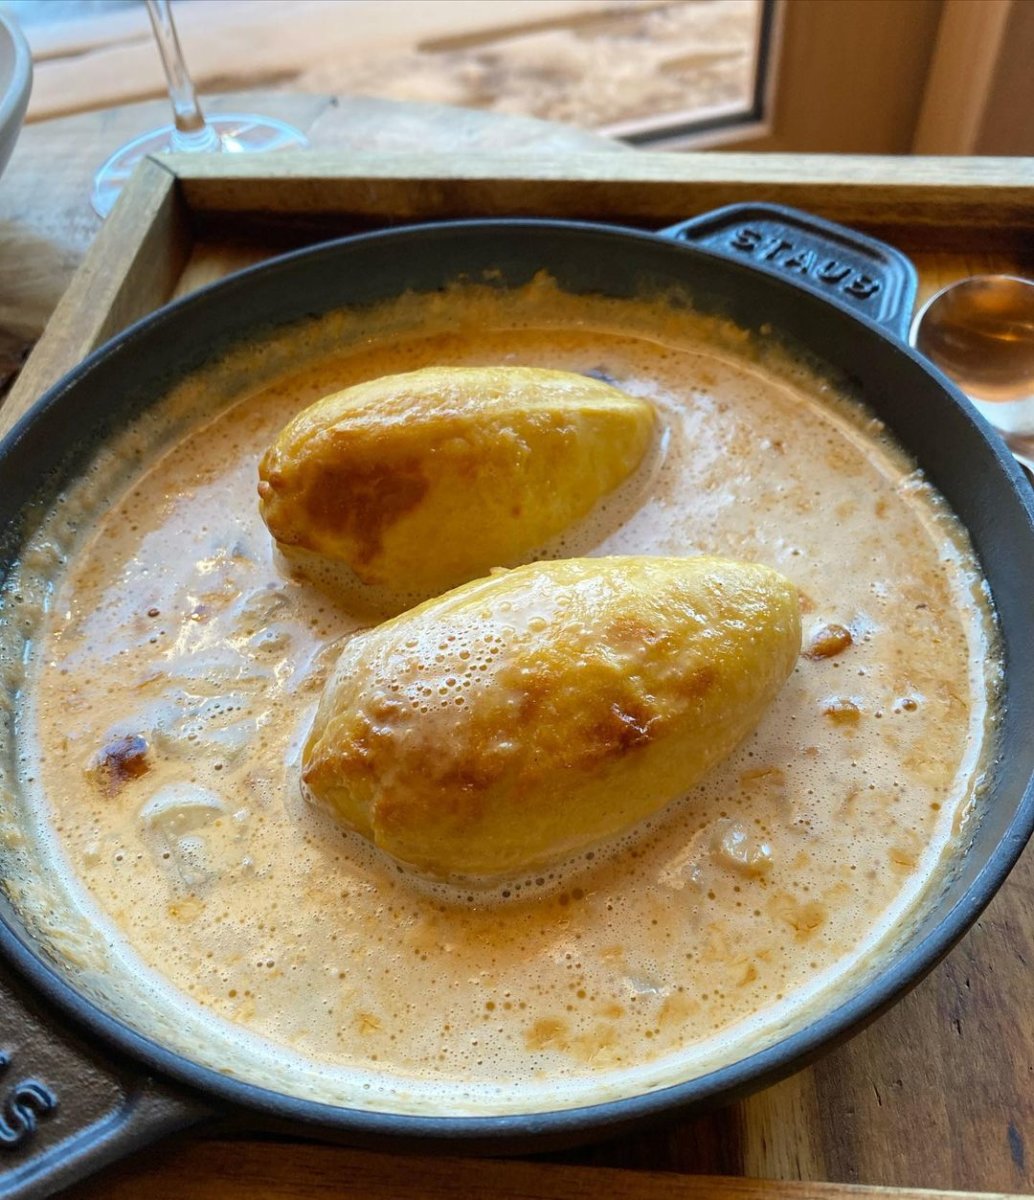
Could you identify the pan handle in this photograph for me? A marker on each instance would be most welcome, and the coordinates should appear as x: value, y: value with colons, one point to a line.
x: 854, y: 271
x: 66, y: 1109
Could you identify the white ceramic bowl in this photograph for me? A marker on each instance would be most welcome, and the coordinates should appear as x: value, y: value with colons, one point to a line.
x: 15, y: 85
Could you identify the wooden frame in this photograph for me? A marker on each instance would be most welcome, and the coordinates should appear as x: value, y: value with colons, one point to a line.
x: 978, y: 95
x: 727, y: 124
x: 969, y: 45
x: 845, y: 75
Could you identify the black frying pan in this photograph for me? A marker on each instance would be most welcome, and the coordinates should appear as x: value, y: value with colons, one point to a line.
x: 79, y: 1088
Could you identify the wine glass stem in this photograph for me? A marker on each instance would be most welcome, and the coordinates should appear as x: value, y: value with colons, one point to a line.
x: 192, y: 131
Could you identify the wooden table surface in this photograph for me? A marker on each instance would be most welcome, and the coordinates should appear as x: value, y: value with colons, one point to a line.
x: 937, y: 1094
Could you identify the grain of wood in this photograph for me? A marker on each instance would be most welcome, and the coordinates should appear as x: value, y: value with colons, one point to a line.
x: 851, y: 75
x: 973, y: 198
x: 969, y: 42
x: 219, y: 1171
x: 1007, y: 121
x: 137, y: 257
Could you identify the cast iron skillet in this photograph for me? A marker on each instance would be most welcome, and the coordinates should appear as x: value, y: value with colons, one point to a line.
x: 77, y: 1087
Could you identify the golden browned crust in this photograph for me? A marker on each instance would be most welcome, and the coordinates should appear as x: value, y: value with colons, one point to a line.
x: 425, y: 480
x: 527, y: 715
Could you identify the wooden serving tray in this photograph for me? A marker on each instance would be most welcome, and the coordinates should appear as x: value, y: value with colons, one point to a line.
x: 937, y: 1094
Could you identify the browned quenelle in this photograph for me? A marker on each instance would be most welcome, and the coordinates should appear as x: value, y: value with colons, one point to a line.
x: 529, y: 715
x: 424, y: 480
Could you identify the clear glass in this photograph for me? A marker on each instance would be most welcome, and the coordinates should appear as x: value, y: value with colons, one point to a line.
x: 191, y: 132
x: 980, y: 332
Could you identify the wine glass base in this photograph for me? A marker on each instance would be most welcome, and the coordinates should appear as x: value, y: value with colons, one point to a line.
x: 233, y: 134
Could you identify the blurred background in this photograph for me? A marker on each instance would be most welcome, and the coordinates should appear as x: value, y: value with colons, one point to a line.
x: 852, y: 76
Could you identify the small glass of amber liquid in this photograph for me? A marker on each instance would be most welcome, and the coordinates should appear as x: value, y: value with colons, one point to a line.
x: 980, y: 333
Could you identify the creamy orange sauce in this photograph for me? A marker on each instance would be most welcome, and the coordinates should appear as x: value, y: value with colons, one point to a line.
x: 175, y: 671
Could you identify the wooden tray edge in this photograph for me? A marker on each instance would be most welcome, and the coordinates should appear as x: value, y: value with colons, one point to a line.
x: 136, y: 259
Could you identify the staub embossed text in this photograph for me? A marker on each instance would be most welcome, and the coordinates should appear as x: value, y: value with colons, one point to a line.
x: 780, y: 251
x: 23, y: 1103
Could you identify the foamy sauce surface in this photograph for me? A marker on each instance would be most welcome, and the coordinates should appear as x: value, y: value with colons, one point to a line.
x: 175, y: 667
